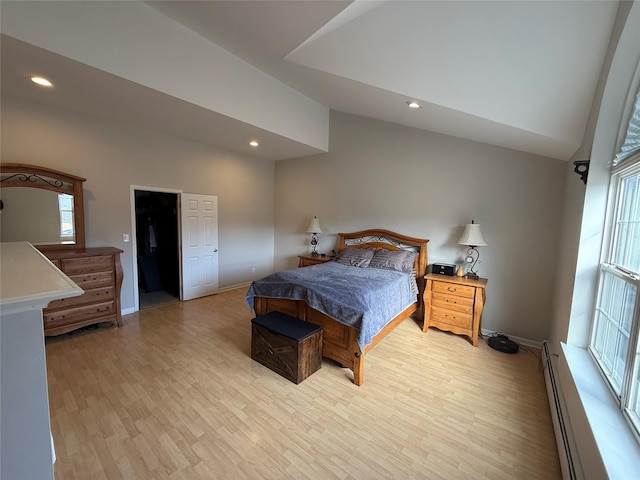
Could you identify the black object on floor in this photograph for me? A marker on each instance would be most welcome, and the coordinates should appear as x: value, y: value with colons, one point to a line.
x: 503, y: 344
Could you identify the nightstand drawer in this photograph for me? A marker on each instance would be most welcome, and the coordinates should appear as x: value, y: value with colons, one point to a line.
x: 456, y: 319
x: 453, y: 289
x: 452, y: 302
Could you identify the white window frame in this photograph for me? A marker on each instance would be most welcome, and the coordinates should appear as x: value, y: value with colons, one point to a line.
x: 66, y: 238
x: 629, y: 167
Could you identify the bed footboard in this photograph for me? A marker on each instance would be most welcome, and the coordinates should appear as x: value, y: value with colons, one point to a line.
x: 339, y: 342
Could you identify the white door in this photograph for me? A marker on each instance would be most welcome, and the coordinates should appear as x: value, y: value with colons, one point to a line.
x: 199, y: 245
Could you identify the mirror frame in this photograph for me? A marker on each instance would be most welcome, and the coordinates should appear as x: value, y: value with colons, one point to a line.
x: 32, y: 176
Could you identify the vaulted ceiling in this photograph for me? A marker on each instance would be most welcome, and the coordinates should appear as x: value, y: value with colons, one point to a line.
x: 516, y: 74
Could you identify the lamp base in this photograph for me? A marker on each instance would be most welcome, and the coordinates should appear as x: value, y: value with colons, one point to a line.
x: 471, y: 276
x: 314, y: 253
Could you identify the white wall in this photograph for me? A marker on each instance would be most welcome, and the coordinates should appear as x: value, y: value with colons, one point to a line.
x: 593, y: 416
x: 115, y: 36
x: 605, y: 144
x: 428, y: 185
x: 584, y: 208
x: 568, y: 252
x: 113, y: 156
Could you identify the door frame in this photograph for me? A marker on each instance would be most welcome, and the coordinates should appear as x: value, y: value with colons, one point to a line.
x: 134, y: 240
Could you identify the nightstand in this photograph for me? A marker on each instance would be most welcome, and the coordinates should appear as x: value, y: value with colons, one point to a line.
x: 307, y: 260
x: 454, y: 304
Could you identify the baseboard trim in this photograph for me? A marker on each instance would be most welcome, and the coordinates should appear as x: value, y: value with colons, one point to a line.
x: 522, y: 341
x: 234, y: 287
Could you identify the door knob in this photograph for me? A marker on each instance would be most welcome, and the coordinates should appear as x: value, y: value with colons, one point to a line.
x: 215, y: 250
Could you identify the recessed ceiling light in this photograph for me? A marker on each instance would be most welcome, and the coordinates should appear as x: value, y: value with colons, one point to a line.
x: 253, y: 143
x: 43, y: 82
x: 414, y: 104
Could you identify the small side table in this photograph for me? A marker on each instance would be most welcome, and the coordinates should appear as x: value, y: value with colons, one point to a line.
x: 454, y: 304
x: 307, y: 260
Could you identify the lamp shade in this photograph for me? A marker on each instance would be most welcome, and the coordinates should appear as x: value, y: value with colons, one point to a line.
x: 472, y: 236
x: 314, y: 226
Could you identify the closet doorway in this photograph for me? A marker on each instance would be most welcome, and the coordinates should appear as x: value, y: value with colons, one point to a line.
x: 157, y: 247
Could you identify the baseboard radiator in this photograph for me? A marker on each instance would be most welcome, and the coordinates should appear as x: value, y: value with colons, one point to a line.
x: 561, y: 424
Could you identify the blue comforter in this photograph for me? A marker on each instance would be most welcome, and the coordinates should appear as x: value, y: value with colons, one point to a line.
x: 364, y: 298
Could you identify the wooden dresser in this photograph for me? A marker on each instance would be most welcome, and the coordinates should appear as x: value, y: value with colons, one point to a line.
x: 99, y: 273
x: 454, y: 304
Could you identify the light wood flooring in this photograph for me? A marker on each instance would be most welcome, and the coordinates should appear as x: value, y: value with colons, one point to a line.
x: 174, y: 394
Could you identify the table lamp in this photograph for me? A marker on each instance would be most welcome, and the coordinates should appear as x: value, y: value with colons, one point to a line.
x: 314, y: 229
x: 472, y: 237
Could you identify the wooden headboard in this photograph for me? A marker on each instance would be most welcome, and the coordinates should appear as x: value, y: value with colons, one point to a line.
x: 379, y: 238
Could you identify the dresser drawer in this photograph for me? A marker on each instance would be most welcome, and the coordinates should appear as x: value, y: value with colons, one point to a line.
x: 453, y: 289
x: 70, y: 316
x: 96, y: 295
x: 452, y: 302
x: 449, y: 317
x: 82, y: 265
x: 93, y: 280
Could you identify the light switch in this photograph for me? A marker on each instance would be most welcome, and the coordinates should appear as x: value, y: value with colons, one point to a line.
x: 125, y: 237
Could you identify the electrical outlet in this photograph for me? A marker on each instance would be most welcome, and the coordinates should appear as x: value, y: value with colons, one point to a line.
x: 125, y: 237
x: 253, y: 269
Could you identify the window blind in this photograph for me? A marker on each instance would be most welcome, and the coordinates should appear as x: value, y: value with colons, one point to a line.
x: 631, y: 142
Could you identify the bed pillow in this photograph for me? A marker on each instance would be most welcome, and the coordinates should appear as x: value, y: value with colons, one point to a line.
x: 401, y: 260
x: 384, y: 258
x: 356, y: 257
x: 409, y: 262
x: 396, y: 259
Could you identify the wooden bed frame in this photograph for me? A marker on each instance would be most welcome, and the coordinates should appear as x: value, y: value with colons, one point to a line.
x: 339, y: 340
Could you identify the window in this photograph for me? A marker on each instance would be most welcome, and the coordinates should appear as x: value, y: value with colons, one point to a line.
x: 615, y: 337
x: 65, y: 206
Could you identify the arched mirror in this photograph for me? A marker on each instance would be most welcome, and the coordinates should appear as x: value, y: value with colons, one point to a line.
x: 42, y: 206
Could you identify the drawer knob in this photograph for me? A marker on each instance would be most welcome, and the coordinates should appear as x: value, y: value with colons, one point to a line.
x: 270, y: 351
x: 452, y: 289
